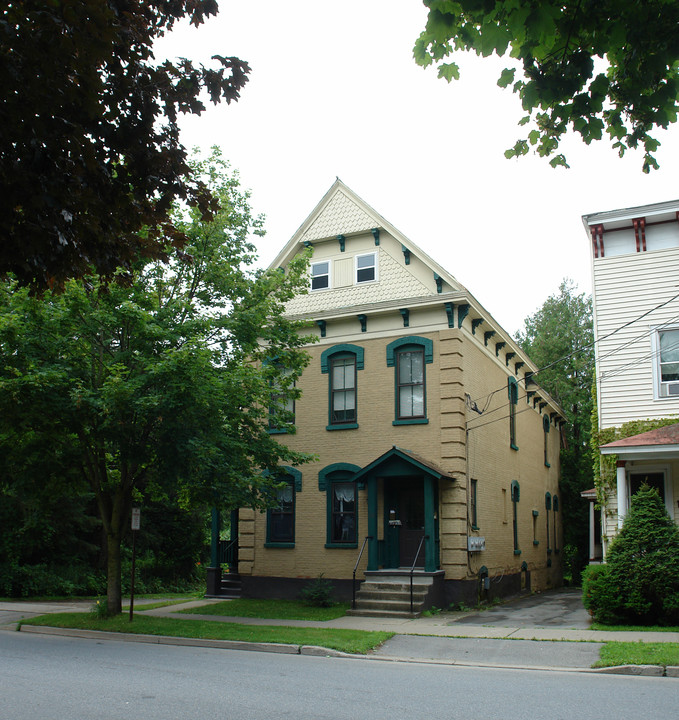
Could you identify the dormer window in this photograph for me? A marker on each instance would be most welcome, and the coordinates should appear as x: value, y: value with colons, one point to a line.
x: 320, y: 275
x: 366, y: 268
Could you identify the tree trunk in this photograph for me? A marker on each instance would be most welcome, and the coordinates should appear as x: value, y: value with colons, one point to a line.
x: 114, y: 599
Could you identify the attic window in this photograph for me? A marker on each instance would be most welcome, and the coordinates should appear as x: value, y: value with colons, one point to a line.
x: 320, y: 275
x: 366, y: 268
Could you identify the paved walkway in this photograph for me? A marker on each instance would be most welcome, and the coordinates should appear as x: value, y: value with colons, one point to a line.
x: 502, y: 636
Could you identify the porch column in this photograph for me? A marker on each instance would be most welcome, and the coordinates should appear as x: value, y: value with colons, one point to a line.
x: 372, y: 523
x: 622, y: 491
x: 214, y: 571
x: 429, y: 526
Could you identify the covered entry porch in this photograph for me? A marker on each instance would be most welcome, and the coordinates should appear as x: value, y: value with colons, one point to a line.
x: 403, y: 514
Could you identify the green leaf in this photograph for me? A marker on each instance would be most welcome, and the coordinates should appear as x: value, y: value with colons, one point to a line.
x: 449, y: 71
x: 507, y: 77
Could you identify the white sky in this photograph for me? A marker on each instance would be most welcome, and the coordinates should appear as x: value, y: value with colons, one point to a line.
x: 334, y: 91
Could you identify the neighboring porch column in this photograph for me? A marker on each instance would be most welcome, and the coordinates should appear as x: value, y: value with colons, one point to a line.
x: 429, y: 526
x: 372, y: 523
x: 592, y: 549
x: 622, y: 492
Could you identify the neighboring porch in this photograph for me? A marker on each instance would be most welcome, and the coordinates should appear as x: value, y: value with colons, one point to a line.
x: 651, y: 458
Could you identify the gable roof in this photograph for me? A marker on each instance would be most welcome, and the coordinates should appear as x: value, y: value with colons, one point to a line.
x: 393, y: 462
x: 342, y: 212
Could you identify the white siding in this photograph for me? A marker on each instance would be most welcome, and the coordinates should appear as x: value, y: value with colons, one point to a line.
x: 625, y: 288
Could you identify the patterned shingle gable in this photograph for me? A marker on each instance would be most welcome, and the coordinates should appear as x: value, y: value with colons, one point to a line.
x: 341, y: 216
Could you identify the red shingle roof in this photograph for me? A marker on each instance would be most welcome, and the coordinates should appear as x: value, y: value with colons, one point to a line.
x: 660, y: 436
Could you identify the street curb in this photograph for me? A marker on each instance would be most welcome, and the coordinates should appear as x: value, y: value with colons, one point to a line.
x: 280, y: 648
x: 318, y: 651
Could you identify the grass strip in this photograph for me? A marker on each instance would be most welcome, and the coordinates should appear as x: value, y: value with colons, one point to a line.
x: 634, y: 628
x: 638, y: 653
x: 349, y: 641
x: 270, y: 610
x: 154, y: 606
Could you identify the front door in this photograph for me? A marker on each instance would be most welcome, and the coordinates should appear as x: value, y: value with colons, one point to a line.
x: 404, y: 522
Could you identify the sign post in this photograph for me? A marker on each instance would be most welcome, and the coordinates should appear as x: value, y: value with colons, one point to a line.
x: 135, y: 524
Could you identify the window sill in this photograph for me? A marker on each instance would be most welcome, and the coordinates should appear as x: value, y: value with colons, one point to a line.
x: 279, y: 545
x: 346, y: 426
x: 341, y: 546
x: 413, y: 421
x: 277, y: 431
x: 536, y: 542
x: 517, y: 552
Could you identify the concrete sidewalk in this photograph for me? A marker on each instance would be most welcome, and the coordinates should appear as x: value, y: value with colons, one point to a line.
x: 487, y: 638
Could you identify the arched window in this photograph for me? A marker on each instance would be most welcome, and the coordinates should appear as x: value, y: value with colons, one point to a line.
x: 337, y: 480
x: 341, y: 363
x: 280, y: 520
x: 409, y: 356
x: 513, y: 391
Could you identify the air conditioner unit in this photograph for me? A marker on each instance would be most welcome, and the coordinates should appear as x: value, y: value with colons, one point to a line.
x: 669, y: 389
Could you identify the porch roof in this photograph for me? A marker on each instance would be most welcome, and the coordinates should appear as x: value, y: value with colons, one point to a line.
x: 395, y: 462
x: 659, y: 443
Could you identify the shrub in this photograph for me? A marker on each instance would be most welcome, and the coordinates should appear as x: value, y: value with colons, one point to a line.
x: 317, y: 593
x: 640, y: 584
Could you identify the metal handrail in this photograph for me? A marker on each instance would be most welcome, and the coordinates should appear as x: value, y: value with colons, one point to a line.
x: 412, y: 569
x: 353, y: 581
x: 224, y: 547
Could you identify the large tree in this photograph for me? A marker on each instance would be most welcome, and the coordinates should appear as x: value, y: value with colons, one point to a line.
x: 591, y: 66
x: 160, y: 386
x: 559, y: 339
x: 89, y: 142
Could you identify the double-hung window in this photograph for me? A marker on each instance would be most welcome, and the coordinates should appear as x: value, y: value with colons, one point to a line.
x: 281, y: 525
x: 282, y: 406
x: 409, y: 357
x: 513, y: 391
x: 410, y: 380
x: 342, y: 497
x: 280, y: 519
x: 341, y: 363
x: 343, y: 389
x: 545, y: 429
x: 366, y: 268
x: 320, y: 275
x: 343, y: 513
x: 666, y: 352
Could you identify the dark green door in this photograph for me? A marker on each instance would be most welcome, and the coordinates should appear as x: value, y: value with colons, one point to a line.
x: 404, y: 522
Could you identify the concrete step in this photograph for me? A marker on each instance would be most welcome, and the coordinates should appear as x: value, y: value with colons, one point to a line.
x: 382, y: 613
x: 400, y: 605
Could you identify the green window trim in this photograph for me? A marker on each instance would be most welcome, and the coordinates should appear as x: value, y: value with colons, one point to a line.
x: 356, y: 350
x: 342, y: 388
x: 473, y: 503
x: 515, y: 497
x: 336, y: 480
x: 280, y: 521
x: 409, y: 356
x: 426, y: 343
x: 513, y: 392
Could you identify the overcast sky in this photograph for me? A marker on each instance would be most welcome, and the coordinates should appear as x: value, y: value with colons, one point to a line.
x: 334, y: 91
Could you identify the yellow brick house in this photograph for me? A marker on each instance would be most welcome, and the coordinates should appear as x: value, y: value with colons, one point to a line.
x: 437, y: 454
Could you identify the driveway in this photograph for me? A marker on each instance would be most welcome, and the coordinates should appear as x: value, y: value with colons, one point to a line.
x: 552, y: 609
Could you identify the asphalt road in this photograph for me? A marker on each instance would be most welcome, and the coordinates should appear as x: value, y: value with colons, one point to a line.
x: 53, y: 678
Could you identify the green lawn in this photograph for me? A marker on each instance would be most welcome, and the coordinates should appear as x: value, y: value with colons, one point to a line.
x: 635, y: 628
x: 638, y: 653
x: 270, y: 609
x: 350, y: 641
